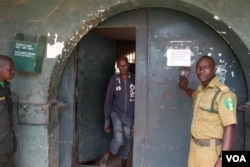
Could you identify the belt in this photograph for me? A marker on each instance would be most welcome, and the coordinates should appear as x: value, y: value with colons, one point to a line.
x: 206, y: 142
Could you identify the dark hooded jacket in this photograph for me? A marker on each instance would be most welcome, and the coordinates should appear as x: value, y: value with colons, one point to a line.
x: 120, y: 99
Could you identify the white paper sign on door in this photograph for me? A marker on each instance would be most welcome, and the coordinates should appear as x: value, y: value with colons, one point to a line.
x: 178, y: 57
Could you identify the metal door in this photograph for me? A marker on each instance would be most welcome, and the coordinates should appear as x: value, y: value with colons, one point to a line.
x: 96, y: 59
x: 169, y: 108
x: 163, y: 112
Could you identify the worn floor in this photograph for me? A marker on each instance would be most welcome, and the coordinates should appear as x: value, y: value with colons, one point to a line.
x: 113, y: 161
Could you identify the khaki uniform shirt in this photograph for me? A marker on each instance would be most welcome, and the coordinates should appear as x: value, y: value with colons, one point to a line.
x: 207, y: 124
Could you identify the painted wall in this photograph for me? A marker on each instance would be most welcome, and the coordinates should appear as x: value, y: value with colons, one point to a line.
x: 64, y: 23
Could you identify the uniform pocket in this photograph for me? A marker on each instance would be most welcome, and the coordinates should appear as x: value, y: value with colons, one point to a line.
x: 205, y: 105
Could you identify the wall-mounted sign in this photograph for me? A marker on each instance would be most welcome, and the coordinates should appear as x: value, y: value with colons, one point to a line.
x: 25, y: 49
x: 178, y: 57
x: 28, y: 52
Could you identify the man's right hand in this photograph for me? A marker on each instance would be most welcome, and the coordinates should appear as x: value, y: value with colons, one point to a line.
x: 107, y: 127
x: 183, y: 82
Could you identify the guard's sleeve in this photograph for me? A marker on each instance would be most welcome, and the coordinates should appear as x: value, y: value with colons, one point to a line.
x: 194, y: 95
x: 227, y: 108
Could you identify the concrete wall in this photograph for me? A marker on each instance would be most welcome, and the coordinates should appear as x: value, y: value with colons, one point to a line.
x: 65, y: 22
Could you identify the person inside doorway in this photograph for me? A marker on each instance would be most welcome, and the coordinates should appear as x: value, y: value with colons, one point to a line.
x: 214, y: 116
x: 119, y: 108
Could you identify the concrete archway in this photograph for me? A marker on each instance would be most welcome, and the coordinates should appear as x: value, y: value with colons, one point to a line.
x: 232, y: 39
x: 101, y: 15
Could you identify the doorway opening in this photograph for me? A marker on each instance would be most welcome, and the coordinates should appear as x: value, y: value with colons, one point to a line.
x: 125, y: 42
x: 95, y: 64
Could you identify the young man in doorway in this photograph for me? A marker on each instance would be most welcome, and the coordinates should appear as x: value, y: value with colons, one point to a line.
x: 214, y: 116
x: 119, y: 108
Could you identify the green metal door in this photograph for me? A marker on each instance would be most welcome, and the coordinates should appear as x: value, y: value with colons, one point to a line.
x: 96, y: 59
x: 163, y: 112
x: 169, y: 109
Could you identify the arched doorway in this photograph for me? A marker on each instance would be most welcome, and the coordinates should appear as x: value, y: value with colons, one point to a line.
x: 163, y: 112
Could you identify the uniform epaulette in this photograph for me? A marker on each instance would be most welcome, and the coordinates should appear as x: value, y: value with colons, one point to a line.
x: 222, y: 87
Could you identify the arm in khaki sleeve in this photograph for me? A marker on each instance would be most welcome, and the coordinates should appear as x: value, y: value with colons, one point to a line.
x: 229, y: 129
x: 228, y: 137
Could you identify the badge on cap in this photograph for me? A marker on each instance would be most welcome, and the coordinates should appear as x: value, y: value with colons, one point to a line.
x: 229, y: 103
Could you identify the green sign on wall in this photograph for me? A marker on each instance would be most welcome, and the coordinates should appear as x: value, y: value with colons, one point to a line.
x: 28, y: 53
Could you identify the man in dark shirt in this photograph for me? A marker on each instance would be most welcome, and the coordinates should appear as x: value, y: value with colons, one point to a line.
x: 119, y: 107
x: 7, y: 138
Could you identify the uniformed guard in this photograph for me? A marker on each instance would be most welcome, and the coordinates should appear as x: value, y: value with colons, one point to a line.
x: 7, y: 137
x: 214, y: 116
